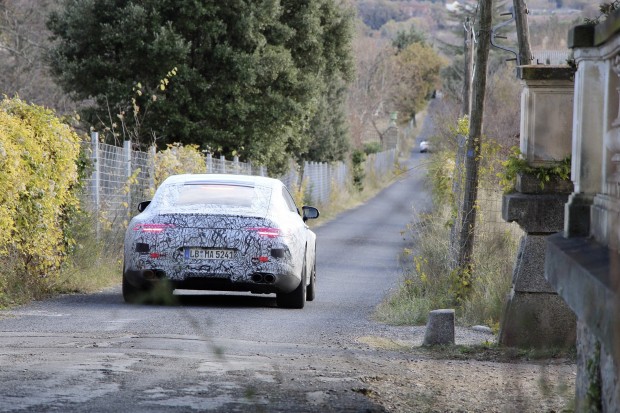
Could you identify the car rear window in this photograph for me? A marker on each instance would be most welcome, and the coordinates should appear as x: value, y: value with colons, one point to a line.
x: 216, y: 198
x: 224, y: 195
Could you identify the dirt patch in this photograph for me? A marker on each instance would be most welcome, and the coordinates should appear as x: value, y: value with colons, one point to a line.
x: 474, y: 377
x: 473, y: 386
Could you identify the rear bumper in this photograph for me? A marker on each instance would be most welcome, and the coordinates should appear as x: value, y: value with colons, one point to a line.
x: 261, y: 282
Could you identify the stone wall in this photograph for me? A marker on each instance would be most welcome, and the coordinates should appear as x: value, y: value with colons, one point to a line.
x: 583, y: 262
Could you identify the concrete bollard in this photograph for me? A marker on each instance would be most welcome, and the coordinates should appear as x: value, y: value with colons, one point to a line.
x: 439, y: 328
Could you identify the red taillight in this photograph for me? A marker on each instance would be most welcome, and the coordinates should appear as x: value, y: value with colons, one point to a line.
x: 152, y: 228
x: 266, y: 231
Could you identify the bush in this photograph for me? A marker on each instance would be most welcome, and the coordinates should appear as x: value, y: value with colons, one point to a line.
x: 38, y: 190
x: 357, y: 159
x: 178, y: 159
x: 372, y: 147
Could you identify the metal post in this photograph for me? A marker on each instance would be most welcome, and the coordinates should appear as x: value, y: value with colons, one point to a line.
x: 468, y: 60
x: 236, y: 164
x: 209, y: 163
x: 152, y: 155
x: 95, y: 179
x: 223, y: 161
x: 128, y: 173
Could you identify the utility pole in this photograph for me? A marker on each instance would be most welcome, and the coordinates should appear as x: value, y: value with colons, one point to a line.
x: 523, y: 32
x: 468, y: 45
x: 472, y: 158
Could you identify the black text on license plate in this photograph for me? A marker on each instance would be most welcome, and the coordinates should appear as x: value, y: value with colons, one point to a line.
x: 209, y: 254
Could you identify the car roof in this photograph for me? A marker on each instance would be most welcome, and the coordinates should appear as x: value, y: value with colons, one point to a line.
x: 222, y: 179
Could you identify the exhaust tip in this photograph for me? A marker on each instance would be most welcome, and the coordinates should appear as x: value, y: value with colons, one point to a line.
x: 270, y: 278
x: 257, y: 278
x: 149, y: 274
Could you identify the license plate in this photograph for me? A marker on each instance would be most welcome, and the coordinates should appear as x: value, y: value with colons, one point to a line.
x: 209, y: 254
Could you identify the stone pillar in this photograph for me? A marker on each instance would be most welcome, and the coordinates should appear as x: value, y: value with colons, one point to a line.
x: 535, y: 316
x: 587, y: 142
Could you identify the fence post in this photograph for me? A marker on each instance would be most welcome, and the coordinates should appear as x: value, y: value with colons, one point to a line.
x: 152, y: 155
x: 236, y: 165
x: 209, y: 163
x: 457, y: 191
x: 325, y: 182
x: 128, y: 172
x: 223, y: 161
x: 96, y: 176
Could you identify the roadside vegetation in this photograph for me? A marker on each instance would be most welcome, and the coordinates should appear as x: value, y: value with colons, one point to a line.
x: 73, y: 256
x: 431, y: 281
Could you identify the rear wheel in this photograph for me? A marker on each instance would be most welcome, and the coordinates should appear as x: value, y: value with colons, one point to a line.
x: 311, y: 289
x: 297, y: 297
x: 161, y: 293
x: 131, y: 294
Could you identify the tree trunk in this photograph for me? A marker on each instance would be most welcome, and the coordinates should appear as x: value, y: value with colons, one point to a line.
x: 472, y: 158
x: 467, y: 68
x: 523, y: 32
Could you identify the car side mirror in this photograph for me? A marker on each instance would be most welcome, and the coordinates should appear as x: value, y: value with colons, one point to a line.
x: 142, y: 205
x: 310, y: 213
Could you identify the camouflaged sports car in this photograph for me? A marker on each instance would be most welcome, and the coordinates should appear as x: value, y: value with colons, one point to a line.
x: 222, y: 232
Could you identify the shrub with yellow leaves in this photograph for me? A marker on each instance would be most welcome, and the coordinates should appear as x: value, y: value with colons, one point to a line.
x: 38, y: 182
x: 178, y: 159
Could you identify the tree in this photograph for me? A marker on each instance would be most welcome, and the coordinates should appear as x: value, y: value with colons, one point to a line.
x: 370, y: 91
x: 473, y: 149
x: 329, y: 128
x: 328, y: 131
x: 23, y: 42
x: 250, y: 74
x: 375, y: 13
x: 417, y: 75
x: 405, y: 38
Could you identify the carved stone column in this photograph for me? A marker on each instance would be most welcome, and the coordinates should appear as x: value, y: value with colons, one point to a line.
x: 535, y: 316
x: 587, y: 157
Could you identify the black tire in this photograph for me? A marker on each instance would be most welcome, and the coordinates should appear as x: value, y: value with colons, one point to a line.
x: 131, y: 294
x: 161, y: 293
x: 311, y: 289
x: 297, y: 297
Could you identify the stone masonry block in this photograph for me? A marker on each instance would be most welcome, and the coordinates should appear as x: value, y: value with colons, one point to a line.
x: 529, y: 271
x: 610, y: 382
x: 537, y: 320
x: 541, y: 213
x: 529, y: 184
x: 439, y: 328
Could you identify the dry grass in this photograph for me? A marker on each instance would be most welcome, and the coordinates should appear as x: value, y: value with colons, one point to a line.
x: 429, y: 282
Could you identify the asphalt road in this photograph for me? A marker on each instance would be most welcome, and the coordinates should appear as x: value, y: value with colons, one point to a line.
x: 216, y: 351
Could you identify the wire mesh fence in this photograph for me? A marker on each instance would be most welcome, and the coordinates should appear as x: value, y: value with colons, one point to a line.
x: 323, y: 178
x: 489, y: 224
x: 550, y: 57
x: 122, y: 177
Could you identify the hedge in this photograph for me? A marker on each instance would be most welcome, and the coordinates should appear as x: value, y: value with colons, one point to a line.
x: 38, y: 181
